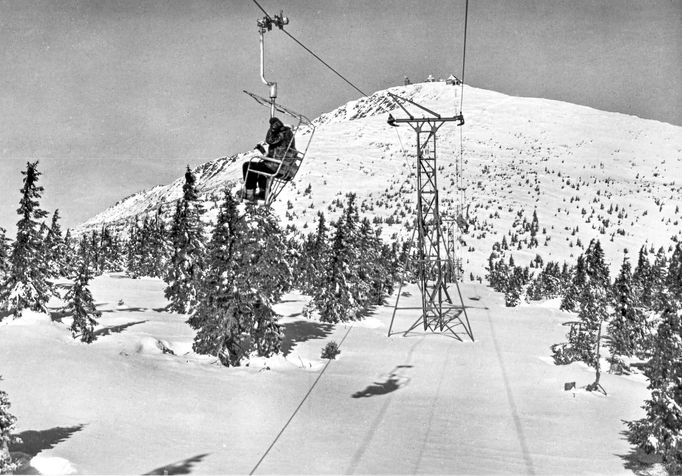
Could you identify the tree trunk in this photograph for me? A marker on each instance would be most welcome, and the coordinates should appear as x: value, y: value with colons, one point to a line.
x: 596, y: 385
x: 4, y: 453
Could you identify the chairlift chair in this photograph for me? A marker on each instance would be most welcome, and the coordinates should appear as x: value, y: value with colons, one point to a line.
x: 286, y: 166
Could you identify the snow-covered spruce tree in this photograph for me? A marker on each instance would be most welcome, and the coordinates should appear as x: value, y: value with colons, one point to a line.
x: 147, y: 264
x: 134, y: 250
x: 7, y: 421
x: 593, y: 309
x: 55, y: 248
x: 79, y: 302
x: 499, y: 273
x: 27, y: 285
x: 547, y: 284
x: 70, y: 253
x: 95, y: 252
x: 569, y: 302
x: 334, y: 297
x: 310, y: 261
x: 377, y: 266
x: 4, y: 254
x: 658, y: 279
x: 246, y: 273
x: 514, y: 288
x: 158, y: 246
x: 641, y: 278
x: 110, y: 257
x: 184, y: 269
x: 626, y: 326
x: 219, y: 310
x: 660, y: 431
x: 589, y: 292
x: 674, y: 275
x: 265, y: 275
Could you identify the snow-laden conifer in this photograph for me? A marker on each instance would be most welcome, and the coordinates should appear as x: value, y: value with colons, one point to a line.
x: 310, y: 264
x: 217, y: 317
x: 334, y: 298
x: 79, y: 302
x: 674, y: 275
x: 4, y: 254
x: 246, y: 273
x: 627, y: 321
x: 7, y: 421
x: 55, y: 248
x: 27, y: 285
x: 590, y: 293
x: 159, y: 246
x: 569, y: 302
x: 641, y: 278
x: 184, y: 269
x: 660, y: 431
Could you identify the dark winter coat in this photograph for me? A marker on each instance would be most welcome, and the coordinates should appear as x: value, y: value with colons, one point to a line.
x: 281, y: 144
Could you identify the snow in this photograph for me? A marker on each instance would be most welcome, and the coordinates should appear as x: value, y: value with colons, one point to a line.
x: 401, y: 404
x: 52, y: 465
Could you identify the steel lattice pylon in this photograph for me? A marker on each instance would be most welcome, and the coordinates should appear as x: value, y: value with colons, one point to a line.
x: 433, y: 261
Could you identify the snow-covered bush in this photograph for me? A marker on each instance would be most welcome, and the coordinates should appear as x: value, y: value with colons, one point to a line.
x: 330, y: 351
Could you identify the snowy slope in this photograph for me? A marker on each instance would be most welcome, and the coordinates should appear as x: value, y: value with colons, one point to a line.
x: 390, y: 405
x: 574, y: 164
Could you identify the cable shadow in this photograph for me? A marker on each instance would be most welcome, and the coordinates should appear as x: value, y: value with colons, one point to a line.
x: 301, y: 331
x: 180, y: 467
x: 105, y: 331
x: 122, y: 309
x: 393, y: 382
x: 33, y: 442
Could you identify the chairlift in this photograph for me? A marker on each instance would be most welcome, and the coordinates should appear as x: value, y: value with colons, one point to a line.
x: 285, y: 167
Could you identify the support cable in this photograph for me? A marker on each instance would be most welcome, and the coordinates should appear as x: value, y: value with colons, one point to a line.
x: 464, y: 54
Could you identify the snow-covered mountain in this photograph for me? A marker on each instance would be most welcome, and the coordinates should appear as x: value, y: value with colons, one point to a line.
x: 588, y: 173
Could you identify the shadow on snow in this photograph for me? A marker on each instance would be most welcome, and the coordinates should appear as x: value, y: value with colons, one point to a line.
x: 33, y: 442
x: 105, y: 331
x: 301, y: 331
x: 393, y: 382
x: 180, y: 467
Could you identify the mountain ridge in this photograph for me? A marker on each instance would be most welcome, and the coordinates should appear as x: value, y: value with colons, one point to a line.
x: 520, y: 155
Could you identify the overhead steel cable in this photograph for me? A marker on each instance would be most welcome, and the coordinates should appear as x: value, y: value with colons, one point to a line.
x: 464, y: 53
x: 350, y: 83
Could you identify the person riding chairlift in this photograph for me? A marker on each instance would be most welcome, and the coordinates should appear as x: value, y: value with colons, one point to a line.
x: 281, y: 146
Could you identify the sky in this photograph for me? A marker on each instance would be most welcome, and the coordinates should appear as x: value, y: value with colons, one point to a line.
x: 116, y: 96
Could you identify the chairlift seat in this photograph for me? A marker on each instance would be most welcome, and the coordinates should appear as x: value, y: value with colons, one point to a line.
x: 284, y: 169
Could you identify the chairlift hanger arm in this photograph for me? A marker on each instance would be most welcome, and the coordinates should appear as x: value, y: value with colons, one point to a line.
x: 400, y: 98
x: 421, y: 120
x: 392, y: 121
